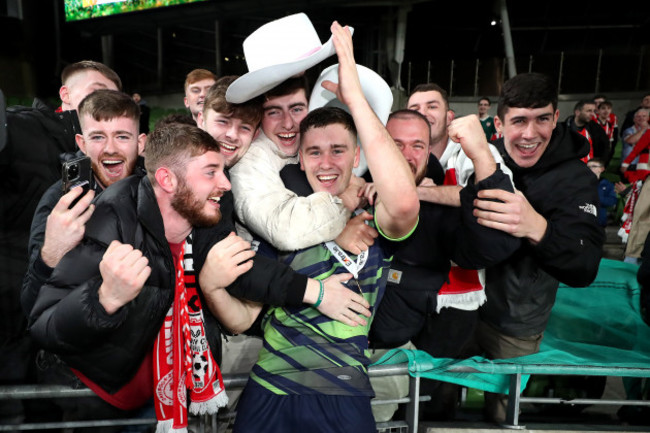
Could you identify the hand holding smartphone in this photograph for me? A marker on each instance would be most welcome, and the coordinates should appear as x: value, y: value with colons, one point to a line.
x: 77, y: 172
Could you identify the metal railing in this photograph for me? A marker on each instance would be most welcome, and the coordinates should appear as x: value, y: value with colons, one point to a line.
x: 208, y: 422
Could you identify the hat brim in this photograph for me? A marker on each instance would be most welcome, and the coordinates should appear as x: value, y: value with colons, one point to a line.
x: 375, y: 89
x: 255, y: 83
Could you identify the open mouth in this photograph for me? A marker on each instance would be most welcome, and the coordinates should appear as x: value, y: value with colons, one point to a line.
x: 214, y: 200
x: 327, y: 178
x: 227, y: 148
x: 287, y: 139
x: 527, y: 149
x: 113, y: 167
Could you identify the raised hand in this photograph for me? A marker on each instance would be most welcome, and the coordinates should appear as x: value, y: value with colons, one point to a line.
x: 65, y: 227
x: 124, y: 272
x: 512, y: 213
x: 352, y: 197
x: 357, y: 236
x: 227, y: 259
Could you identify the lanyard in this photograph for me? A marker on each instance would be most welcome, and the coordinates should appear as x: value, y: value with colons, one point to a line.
x: 349, y: 264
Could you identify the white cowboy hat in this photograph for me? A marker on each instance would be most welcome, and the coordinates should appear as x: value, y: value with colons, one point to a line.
x: 275, y: 52
x: 375, y: 89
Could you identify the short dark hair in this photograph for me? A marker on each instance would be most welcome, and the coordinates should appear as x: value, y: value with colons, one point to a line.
x: 406, y: 114
x: 173, y: 144
x: 581, y: 103
x: 85, y: 65
x: 107, y: 104
x: 607, y: 103
x: 325, y: 116
x: 289, y: 86
x: 431, y: 87
x: 485, y: 98
x: 528, y: 90
x: 250, y: 111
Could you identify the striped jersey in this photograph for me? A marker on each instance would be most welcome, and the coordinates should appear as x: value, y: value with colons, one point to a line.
x: 306, y: 352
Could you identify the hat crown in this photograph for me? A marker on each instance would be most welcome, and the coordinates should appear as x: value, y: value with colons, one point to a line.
x: 281, y: 41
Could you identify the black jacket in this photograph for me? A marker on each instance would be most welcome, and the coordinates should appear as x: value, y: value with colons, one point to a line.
x: 599, y: 139
x: 37, y: 271
x: 29, y: 164
x: 443, y: 234
x: 521, y: 290
x: 68, y: 320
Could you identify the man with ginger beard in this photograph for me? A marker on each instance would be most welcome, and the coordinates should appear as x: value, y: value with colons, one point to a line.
x: 110, y: 138
x: 31, y: 142
x: 421, y: 264
x: 149, y: 240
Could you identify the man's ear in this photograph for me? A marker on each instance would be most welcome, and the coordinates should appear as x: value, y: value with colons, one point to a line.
x: 357, y: 155
x: 166, y: 179
x: 187, y: 104
x: 556, y: 116
x: 81, y: 143
x: 450, y: 116
x: 302, y: 166
x: 64, y: 94
x: 497, y: 124
x: 142, y: 143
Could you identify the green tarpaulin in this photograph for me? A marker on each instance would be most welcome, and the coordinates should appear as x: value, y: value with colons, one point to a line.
x: 596, y: 330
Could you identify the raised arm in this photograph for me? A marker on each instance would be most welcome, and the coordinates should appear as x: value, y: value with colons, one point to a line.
x: 398, y: 206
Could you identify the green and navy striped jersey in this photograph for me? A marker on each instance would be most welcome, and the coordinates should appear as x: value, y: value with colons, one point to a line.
x: 306, y: 352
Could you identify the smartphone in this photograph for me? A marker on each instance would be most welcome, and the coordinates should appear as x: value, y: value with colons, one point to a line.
x: 77, y: 172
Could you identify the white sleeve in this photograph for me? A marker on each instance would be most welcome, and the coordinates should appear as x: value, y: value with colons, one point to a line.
x: 278, y: 215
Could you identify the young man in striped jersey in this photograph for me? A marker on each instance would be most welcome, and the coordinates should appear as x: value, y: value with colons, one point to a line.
x: 312, y: 371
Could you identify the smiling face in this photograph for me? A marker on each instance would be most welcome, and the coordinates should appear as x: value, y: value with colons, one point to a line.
x: 199, y: 191
x: 527, y: 132
x: 112, y: 145
x: 432, y: 105
x: 281, y: 120
x: 411, y: 136
x: 483, y: 107
x: 234, y: 135
x: 327, y: 156
x: 195, y: 95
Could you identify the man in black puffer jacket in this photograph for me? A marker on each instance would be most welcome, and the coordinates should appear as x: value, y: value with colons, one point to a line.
x: 102, y: 309
x: 554, y: 212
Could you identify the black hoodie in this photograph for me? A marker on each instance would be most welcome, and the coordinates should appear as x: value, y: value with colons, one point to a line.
x: 521, y: 290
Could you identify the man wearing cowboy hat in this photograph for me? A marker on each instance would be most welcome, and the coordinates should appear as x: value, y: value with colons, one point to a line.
x: 276, y: 54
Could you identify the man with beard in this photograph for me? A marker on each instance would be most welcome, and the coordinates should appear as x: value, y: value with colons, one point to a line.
x: 582, y: 122
x: 131, y: 284
x: 409, y: 310
x: 31, y: 142
x: 110, y: 137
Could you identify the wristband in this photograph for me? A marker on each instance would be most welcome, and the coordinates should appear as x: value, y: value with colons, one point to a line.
x: 320, y: 294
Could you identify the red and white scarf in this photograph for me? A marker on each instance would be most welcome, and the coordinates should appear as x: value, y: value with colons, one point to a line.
x: 182, y: 358
x: 465, y: 288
